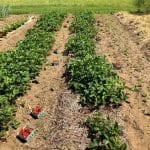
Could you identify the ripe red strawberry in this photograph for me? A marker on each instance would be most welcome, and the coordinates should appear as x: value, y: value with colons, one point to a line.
x: 25, y: 132
x: 37, y: 110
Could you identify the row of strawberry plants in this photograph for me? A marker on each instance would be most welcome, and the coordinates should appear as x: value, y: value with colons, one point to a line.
x: 22, y: 64
x: 11, y: 27
x: 95, y: 80
x: 89, y: 74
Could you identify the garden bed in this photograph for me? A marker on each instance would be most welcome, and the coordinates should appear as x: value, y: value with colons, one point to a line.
x: 10, y: 40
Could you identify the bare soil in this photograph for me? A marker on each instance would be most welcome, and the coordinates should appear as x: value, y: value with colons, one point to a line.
x: 139, y: 27
x: 12, y: 38
x: 59, y: 128
x: 117, y: 45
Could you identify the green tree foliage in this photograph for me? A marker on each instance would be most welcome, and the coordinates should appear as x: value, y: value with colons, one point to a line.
x: 147, y: 5
x: 4, y: 10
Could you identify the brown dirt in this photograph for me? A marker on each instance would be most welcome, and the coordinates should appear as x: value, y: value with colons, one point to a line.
x: 59, y: 127
x: 139, y: 27
x: 117, y: 45
x: 11, y: 19
x: 10, y: 41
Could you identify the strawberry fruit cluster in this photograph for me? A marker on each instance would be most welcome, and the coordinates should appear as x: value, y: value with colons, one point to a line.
x: 24, y: 133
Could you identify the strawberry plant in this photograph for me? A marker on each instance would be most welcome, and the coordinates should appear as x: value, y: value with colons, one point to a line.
x: 84, y: 23
x: 37, y: 42
x: 95, y: 80
x: 12, y: 26
x: 104, y: 134
x: 50, y: 22
x: 6, y: 115
x: 80, y: 45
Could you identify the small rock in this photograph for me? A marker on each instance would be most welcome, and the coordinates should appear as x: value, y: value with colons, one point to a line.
x: 97, y: 38
x: 65, y: 26
x: 35, y: 81
x: 147, y: 113
x: 56, y: 51
x: 128, y: 102
x: 51, y: 89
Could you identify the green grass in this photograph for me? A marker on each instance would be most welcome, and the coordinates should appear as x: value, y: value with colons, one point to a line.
x: 44, y: 6
x: 67, y: 2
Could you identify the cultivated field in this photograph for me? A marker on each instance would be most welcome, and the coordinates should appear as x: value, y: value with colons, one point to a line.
x: 74, y: 79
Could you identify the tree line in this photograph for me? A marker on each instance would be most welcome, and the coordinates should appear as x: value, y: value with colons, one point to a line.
x: 142, y: 5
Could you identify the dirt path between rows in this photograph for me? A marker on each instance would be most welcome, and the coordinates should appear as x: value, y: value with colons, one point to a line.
x: 59, y: 128
x: 12, y: 38
x: 115, y: 43
x: 139, y: 28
